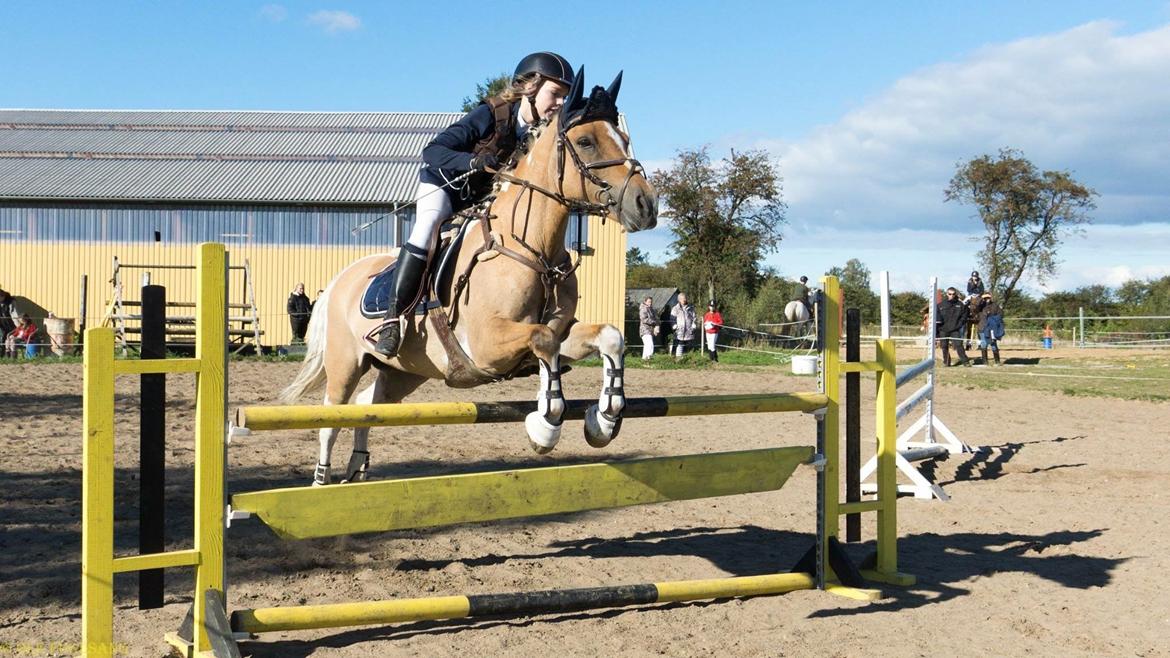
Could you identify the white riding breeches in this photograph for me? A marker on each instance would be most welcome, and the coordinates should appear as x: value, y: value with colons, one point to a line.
x: 647, y: 346
x: 711, y: 338
x: 432, y: 208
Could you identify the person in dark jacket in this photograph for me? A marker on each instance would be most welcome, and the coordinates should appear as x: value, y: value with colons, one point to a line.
x: 299, y: 311
x: 975, y: 285
x: 800, y: 293
x: 458, y: 167
x: 951, y: 321
x: 7, y: 310
x: 991, y: 327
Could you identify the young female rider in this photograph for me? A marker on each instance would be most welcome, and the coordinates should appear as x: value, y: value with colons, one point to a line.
x: 483, y: 139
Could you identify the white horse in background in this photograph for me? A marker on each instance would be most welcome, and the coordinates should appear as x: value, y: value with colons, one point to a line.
x: 799, y: 321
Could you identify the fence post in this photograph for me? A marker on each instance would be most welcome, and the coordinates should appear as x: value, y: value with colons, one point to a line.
x: 852, y: 424
x: 152, y: 446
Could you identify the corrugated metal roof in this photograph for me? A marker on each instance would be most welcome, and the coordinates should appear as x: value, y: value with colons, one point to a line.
x: 290, y: 157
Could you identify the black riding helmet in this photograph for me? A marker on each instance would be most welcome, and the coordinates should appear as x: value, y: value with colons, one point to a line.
x: 550, y: 65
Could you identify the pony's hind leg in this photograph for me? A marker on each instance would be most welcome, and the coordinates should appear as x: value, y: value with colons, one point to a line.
x: 603, y: 420
x: 388, y: 387
x: 343, y: 378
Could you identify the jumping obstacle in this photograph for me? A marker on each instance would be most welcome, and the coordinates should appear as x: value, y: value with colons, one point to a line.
x: 444, y: 500
x: 929, y: 447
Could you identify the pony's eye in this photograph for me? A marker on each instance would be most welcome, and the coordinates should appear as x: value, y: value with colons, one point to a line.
x: 584, y: 142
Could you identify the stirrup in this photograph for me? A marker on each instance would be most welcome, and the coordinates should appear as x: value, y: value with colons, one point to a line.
x: 383, y: 348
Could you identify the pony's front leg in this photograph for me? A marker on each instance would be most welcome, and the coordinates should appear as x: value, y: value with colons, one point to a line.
x: 603, y: 420
x: 509, y: 338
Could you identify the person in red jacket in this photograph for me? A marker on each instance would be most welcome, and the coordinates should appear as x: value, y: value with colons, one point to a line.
x: 712, y: 323
x: 21, y: 340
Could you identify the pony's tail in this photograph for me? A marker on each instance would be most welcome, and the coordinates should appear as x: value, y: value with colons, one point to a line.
x: 312, y: 374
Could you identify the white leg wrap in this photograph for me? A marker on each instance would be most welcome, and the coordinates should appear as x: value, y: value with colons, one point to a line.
x: 603, y: 420
x: 321, y: 475
x: 544, y: 424
x: 358, y: 468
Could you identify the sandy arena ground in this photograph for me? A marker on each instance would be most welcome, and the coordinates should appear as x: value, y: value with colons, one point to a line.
x: 1055, y: 545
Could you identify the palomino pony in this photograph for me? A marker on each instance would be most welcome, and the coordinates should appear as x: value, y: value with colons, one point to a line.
x: 512, y: 310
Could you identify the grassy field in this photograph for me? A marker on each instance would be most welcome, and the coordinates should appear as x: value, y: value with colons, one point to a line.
x: 1123, y: 374
x: 1117, y: 373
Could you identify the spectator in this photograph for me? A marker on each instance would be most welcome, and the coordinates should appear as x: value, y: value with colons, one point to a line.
x: 991, y: 327
x: 314, y: 304
x: 712, y: 323
x: 299, y: 311
x: 647, y: 327
x: 800, y: 294
x: 7, y: 313
x: 951, y: 321
x: 975, y: 285
x: 683, y: 315
x: 22, y: 339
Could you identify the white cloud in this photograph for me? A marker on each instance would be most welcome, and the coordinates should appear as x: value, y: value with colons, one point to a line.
x: 334, y: 21
x: 273, y: 13
x: 1086, y: 100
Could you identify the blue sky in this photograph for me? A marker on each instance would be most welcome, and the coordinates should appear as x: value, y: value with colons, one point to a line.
x: 866, y: 107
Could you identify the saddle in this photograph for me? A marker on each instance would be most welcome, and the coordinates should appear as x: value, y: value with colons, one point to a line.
x: 440, y: 289
x: 436, y: 285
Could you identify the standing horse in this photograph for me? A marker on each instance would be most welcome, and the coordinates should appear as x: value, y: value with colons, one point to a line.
x: 512, y: 310
x: 798, y: 318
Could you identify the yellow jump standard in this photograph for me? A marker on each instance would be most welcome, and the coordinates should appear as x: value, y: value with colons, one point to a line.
x: 423, y: 502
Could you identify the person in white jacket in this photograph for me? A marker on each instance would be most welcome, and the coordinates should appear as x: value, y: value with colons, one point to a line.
x: 685, y: 325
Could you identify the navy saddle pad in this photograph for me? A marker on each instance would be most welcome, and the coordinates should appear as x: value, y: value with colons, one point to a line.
x: 376, y: 299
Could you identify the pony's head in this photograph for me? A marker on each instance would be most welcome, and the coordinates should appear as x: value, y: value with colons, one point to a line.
x: 593, y: 158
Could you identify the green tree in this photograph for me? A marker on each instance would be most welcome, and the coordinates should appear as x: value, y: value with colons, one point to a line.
x: 1145, y: 297
x: 725, y: 217
x: 647, y: 275
x: 636, y: 257
x: 489, y: 88
x: 854, y: 280
x: 1026, y: 214
x: 906, y: 308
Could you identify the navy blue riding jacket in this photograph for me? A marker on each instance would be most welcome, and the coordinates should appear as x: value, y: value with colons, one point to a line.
x: 449, y: 155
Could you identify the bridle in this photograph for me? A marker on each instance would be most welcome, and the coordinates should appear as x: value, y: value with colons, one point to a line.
x: 606, y: 201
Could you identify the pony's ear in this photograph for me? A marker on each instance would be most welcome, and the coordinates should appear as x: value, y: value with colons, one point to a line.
x: 574, y: 97
x: 615, y: 87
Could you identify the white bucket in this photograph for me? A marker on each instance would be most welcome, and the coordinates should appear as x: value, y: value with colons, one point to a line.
x: 804, y: 365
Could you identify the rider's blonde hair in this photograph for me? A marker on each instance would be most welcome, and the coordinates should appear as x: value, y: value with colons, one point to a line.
x: 525, y: 85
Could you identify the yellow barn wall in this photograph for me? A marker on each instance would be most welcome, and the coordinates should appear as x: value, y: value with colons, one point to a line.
x: 49, y: 275
x: 602, y: 275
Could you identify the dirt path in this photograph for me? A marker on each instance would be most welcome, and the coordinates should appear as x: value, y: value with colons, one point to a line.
x: 1055, y: 545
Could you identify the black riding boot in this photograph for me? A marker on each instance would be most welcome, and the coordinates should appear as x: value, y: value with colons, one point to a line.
x: 995, y: 354
x: 983, y: 352
x: 412, y: 261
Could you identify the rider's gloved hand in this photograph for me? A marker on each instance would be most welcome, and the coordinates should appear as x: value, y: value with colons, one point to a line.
x: 484, y: 161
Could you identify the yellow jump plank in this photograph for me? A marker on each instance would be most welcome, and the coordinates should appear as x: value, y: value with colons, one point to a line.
x: 455, y: 413
x: 305, y: 512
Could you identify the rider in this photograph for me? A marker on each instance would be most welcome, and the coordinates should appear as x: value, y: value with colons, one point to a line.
x: 477, y: 144
x: 800, y: 294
